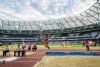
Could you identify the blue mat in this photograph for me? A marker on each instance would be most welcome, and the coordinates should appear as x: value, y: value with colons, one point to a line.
x: 74, y: 53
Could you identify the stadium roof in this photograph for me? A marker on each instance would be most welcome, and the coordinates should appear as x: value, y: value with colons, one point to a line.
x: 48, y: 14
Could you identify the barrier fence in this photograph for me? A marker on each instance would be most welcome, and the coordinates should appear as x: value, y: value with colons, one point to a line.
x: 74, y: 53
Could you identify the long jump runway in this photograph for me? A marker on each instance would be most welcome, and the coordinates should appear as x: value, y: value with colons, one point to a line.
x: 31, y: 60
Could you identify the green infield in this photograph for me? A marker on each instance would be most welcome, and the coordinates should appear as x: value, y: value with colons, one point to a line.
x: 53, y: 45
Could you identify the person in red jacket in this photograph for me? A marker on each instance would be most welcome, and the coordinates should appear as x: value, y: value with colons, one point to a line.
x: 34, y: 48
x: 29, y: 47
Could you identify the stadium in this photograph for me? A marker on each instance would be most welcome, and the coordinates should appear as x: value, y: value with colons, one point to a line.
x: 45, y: 33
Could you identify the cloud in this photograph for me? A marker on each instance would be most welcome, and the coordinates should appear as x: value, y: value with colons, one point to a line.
x: 42, y: 9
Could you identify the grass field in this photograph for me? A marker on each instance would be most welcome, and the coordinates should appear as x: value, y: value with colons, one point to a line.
x: 54, y: 45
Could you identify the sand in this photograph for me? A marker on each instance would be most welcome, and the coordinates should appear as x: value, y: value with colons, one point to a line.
x: 69, y: 61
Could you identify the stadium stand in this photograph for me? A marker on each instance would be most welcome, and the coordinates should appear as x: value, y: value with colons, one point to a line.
x: 85, y: 25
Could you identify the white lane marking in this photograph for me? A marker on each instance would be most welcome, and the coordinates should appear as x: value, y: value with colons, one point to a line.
x: 30, y: 57
x: 21, y: 61
x: 8, y: 58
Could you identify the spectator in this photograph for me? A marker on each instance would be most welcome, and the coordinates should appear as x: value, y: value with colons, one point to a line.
x: 23, y: 52
x: 29, y: 47
x: 17, y: 51
x: 23, y: 46
x: 87, y: 47
x: 34, y: 48
x: 5, y: 51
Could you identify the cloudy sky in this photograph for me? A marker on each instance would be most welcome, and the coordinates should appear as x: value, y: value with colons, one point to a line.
x: 41, y: 9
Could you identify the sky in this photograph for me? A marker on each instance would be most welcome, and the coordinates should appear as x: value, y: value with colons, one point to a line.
x: 36, y: 10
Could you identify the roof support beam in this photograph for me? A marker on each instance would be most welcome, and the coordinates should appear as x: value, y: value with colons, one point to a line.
x: 73, y: 21
x: 96, y: 7
x: 8, y: 24
x: 67, y: 22
x: 94, y: 11
x: 79, y: 20
x: 46, y: 26
x: 25, y: 25
x: 92, y: 16
x: 87, y: 19
x: 51, y: 25
x: 62, y: 25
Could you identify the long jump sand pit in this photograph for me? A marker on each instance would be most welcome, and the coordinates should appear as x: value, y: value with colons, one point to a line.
x: 69, y: 61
